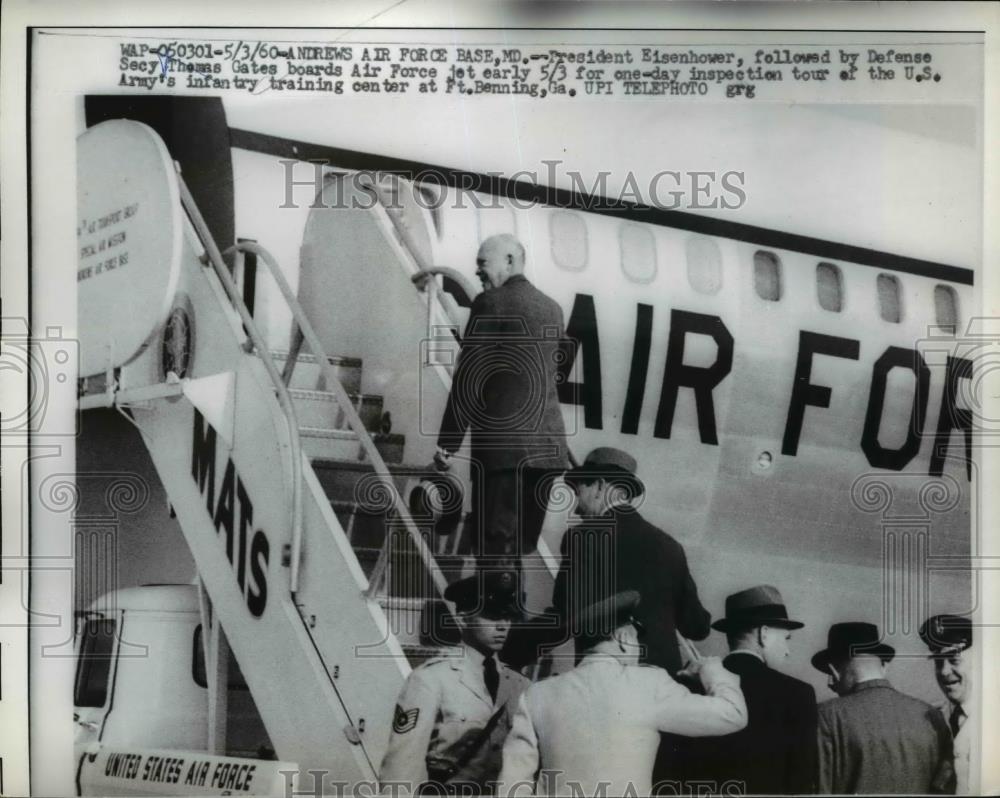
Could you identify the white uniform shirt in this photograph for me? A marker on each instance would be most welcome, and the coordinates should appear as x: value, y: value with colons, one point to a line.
x: 964, y: 741
x: 440, y: 713
x: 600, y: 724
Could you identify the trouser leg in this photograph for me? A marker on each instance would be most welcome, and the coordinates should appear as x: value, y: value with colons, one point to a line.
x: 535, y: 488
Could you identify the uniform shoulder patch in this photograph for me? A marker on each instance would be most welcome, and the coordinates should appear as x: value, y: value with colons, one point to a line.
x: 405, y: 720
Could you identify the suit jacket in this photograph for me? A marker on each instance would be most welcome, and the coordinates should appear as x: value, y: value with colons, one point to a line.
x: 504, y: 385
x: 441, y: 711
x: 877, y: 740
x: 776, y: 753
x: 601, y: 723
x: 622, y: 551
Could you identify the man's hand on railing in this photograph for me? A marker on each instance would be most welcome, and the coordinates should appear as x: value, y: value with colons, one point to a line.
x: 421, y: 279
x: 442, y: 459
x: 456, y: 284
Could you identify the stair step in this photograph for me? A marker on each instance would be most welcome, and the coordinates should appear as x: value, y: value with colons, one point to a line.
x: 420, y: 622
x: 320, y: 410
x: 336, y: 444
x: 307, y: 371
x: 365, y: 525
x: 364, y: 528
x: 408, y: 577
x: 352, y: 480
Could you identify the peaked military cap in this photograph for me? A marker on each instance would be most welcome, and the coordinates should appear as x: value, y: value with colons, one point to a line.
x: 941, y: 632
x: 490, y: 593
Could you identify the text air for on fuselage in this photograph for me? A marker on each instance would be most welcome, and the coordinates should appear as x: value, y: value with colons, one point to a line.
x: 806, y: 391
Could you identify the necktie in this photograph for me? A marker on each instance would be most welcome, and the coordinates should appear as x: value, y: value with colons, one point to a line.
x: 955, y: 721
x: 491, y: 676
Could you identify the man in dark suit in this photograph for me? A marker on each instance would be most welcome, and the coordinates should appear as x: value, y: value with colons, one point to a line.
x: 776, y: 753
x: 874, y: 740
x: 615, y: 549
x: 504, y: 393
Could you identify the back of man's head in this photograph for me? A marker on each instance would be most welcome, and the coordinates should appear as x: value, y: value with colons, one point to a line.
x: 742, y: 639
x: 852, y: 671
x: 504, y: 245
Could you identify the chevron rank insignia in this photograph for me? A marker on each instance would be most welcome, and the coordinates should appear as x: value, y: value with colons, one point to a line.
x: 405, y: 720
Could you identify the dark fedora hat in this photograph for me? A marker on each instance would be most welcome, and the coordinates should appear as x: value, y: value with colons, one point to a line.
x: 609, y: 463
x: 846, y: 640
x: 946, y: 632
x: 490, y: 593
x: 756, y: 606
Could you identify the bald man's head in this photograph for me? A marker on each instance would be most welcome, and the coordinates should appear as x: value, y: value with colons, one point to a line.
x: 500, y: 258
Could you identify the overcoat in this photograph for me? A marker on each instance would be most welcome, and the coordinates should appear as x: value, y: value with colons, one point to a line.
x: 504, y: 387
x: 876, y: 740
x: 776, y: 753
x: 622, y: 551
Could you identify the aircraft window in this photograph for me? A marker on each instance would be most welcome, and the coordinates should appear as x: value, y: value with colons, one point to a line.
x: 946, y: 308
x: 890, y: 303
x: 569, y: 241
x: 94, y: 666
x: 767, y: 276
x: 704, y: 265
x: 829, y: 287
x: 236, y: 680
x: 638, y: 253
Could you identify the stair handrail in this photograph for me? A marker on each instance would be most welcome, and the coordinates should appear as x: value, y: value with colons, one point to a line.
x: 215, y: 259
x: 353, y: 419
x: 428, y: 273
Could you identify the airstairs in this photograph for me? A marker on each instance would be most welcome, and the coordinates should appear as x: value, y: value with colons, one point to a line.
x: 316, y: 545
x: 291, y: 491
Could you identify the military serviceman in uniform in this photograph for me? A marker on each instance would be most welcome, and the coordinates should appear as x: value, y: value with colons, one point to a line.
x: 595, y: 730
x: 455, y: 710
x: 949, y: 637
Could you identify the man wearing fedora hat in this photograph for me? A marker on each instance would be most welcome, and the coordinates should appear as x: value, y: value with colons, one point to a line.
x: 776, y: 753
x: 949, y: 638
x: 595, y: 730
x: 874, y: 739
x: 615, y: 549
x: 455, y: 710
